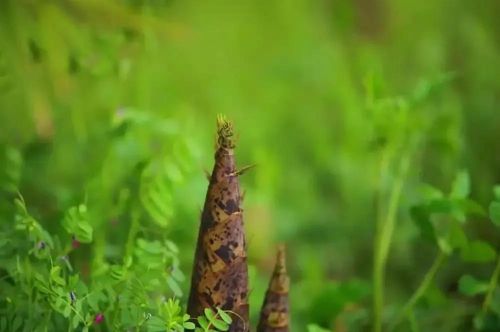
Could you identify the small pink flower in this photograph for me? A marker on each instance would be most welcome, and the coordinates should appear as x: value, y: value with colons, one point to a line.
x: 99, y: 318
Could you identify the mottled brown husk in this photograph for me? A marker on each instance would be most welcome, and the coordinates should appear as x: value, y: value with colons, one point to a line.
x: 220, y: 272
x: 274, y: 315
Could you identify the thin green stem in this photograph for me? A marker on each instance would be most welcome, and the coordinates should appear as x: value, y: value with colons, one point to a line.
x: 239, y: 317
x: 377, y: 273
x: 47, y: 320
x: 383, y: 239
x: 132, y: 233
x: 74, y: 310
x: 209, y: 326
x: 424, y: 285
x: 30, y: 294
x: 413, y: 321
x: 492, y: 287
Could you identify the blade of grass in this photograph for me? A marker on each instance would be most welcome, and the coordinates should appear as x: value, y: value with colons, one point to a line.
x: 422, y: 288
x: 383, y: 238
x: 492, y: 287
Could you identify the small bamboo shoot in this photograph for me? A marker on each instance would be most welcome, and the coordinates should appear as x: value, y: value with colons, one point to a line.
x: 274, y: 315
x: 220, y: 271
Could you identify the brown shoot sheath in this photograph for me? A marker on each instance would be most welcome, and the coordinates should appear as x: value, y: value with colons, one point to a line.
x: 220, y: 271
x: 274, y: 315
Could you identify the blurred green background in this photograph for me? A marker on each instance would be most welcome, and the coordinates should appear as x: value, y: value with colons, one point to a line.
x: 319, y: 92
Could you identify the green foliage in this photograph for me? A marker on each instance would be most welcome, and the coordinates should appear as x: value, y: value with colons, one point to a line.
x: 496, y: 191
x: 441, y: 219
x: 42, y: 274
x: 470, y: 286
x: 478, y: 252
x: 172, y: 319
x: 213, y: 321
x: 315, y: 328
x: 495, y: 212
x: 10, y: 175
x: 335, y: 297
x: 75, y: 222
x: 41, y: 284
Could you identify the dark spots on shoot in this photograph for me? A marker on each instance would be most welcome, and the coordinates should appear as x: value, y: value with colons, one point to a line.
x: 229, y: 304
x: 220, y: 204
x: 232, y: 206
x: 225, y: 253
x: 217, y: 285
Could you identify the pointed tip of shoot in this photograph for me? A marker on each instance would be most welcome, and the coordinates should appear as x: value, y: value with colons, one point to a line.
x: 224, y: 132
x: 280, y: 266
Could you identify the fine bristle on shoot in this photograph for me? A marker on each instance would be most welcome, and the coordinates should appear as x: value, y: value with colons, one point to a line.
x: 225, y: 132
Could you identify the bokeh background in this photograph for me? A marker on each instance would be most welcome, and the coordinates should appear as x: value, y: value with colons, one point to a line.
x: 319, y: 92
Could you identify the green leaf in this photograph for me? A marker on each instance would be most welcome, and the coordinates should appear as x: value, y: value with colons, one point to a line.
x: 174, y: 286
x: 478, y: 252
x: 74, y: 280
x: 494, y: 211
x: 209, y: 314
x: 224, y: 316
x: 316, y: 328
x: 203, y: 322
x: 11, y: 161
x: 127, y: 261
x: 173, y: 309
x: 445, y: 245
x: 220, y: 325
x: 421, y: 218
x: 189, y: 326
x: 469, y: 206
x: 443, y: 206
x: 495, y: 302
x: 76, y: 223
x: 117, y: 272
x: 429, y: 192
x: 152, y: 247
x: 75, y: 321
x: 16, y: 324
x: 470, y: 286
x: 459, y: 215
x: 177, y: 274
x: 456, y: 236
x: 156, y: 324
x: 496, y: 192
x: 173, y: 172
x: 172, y: 246
x: 461, y: 185
x: 479, y: 321
x: 155, y: 193
x: 92, y: 300
x: 67, y: 310
x: 55, y: 277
